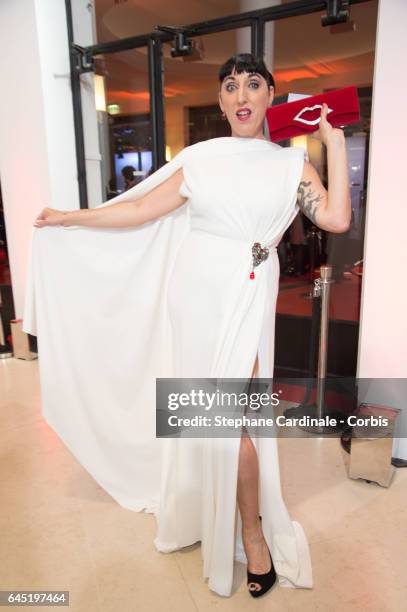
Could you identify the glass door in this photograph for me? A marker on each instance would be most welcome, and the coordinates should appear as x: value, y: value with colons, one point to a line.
x: 124, y: 119
x: 327, y: 58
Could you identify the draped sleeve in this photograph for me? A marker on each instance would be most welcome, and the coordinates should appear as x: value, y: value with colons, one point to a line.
x: 294, y: 173
x: 95, y: 299
x: 109, y: 240
x: 185, y: 189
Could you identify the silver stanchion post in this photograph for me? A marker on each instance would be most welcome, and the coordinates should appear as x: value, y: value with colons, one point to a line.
x: 325, y: 284
x: 318, y: 411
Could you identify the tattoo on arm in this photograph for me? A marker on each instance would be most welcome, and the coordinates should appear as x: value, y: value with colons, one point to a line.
x: 308, y: 201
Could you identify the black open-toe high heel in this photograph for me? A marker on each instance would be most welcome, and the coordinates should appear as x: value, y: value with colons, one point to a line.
x: 265, y: 581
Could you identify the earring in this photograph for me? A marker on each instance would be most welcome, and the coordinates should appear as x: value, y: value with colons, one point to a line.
x: 223, y: 115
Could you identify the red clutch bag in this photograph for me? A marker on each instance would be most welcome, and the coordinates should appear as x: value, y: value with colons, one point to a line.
x: 302, y: 116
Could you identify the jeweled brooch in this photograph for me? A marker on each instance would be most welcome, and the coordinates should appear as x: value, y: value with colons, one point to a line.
x: 259, y: 254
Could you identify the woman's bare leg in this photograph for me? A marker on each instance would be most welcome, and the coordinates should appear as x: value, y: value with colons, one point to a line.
x: 255, y: 546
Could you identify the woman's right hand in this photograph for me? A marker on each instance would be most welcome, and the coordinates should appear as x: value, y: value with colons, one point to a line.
x: 49, y: 216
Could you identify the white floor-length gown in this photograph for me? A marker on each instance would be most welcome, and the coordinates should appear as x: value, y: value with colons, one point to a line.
x: 115, y: 308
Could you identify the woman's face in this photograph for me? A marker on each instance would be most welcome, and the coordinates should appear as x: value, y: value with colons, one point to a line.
x: 244, y: 98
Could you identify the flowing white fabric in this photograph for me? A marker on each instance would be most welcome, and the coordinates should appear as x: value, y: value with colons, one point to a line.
x: 115, y: 308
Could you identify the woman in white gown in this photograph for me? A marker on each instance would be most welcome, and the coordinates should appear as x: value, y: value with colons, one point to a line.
x: 163, y: 273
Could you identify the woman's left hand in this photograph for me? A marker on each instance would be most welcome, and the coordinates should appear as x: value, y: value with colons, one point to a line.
x: 326, y: 132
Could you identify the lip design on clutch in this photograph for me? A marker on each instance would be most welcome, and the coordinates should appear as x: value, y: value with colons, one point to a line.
x: 309, y: 108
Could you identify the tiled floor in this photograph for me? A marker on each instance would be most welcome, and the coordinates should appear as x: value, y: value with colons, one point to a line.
x: 60, y: 530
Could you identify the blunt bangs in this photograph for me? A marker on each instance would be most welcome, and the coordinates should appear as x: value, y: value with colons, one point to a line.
x: 245, y: 62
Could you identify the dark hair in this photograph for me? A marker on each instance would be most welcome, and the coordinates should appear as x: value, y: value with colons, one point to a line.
x: 128, y: 172
x: 246, y: 62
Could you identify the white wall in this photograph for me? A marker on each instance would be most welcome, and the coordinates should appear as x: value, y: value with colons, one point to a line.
x: 383, y: 326
x: 37, y: 140
x: 37, y: 147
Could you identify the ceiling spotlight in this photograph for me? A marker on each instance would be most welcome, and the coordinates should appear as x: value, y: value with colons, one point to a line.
x: 182, y: 45
x: 337, y: 11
